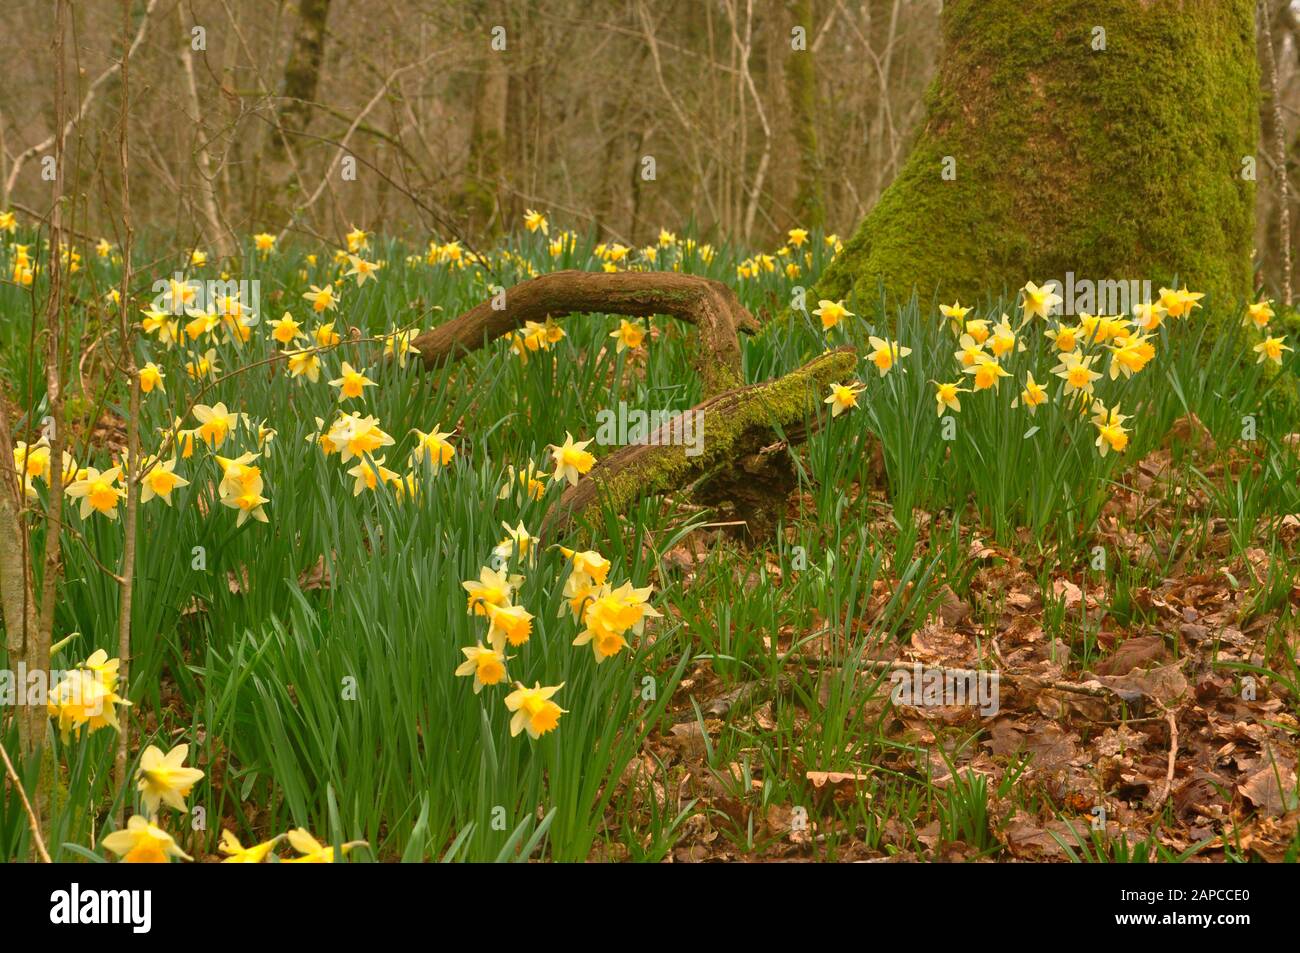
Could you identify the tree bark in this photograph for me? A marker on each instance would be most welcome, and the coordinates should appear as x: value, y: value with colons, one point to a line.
x: 1115, y: 163
x: 801, y: 90
x: 710, y: 305
x: 480, y: 194
x: 301, y: 77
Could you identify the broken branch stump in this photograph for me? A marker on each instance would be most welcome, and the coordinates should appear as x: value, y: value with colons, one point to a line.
x: 742, y: 456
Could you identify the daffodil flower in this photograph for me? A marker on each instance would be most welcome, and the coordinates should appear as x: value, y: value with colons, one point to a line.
x: 533, y: 709
x: 322, y: 299
x: 312, y: 850
x: 630, y: 334
x: 572, y: 460
x: 487, y: 665
x: 1270, y: 349
x: 1033, y: 394
x: 843, y: 397
x: 286, y: 330
x: 508, y: 624
x: 831, y: 313
x: 164, y: 779
x: 1038, y: 302
x: 142, y: 842
x: 885, y: 354
x: 159, y: 480
x: 945, y: 396
x: 237, y: 853
x: 98, y: 492
x: 351, y: 383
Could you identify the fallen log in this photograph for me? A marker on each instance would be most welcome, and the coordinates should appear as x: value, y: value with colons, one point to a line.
x: 710, y: 305
x: 743, y: 456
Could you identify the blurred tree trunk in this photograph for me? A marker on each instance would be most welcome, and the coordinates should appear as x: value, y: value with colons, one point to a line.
x: 297, y: 93
x: 479, y: 201
x: 1115, y: 157
x: 801, y: 90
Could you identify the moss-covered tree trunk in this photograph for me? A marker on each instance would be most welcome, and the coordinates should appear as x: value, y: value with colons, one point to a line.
x: 801, y: 89
x: 1107, y: 138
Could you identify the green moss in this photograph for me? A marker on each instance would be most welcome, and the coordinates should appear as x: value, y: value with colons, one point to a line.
x: 1115, y: 164
x: 780, y: 402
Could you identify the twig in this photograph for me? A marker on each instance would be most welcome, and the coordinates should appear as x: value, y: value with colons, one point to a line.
x: 1170, y: 717
x: 1073, y: 688
x: 32, y: 822
x: 104, y: 77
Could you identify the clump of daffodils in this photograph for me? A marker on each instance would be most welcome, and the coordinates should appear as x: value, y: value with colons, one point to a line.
x: 87, y: 697
x: 608, y: 615
x: 1085, y: 352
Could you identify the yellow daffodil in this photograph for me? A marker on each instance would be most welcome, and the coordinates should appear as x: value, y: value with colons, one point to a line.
x: 1002, y: 340
x: 357, y: 240
x: 151, y: 377
x: 203, y: 365
x: 399, y: 344
x: 322, y: 299
x: 249, y: 504
x: 81, y: 699
x: 509, y: 624
x: 164, y: 779
x: 535, y: 221
x: 492, y: 588
x: 1064, y: 338
x: 433, y: 446
x: 487, y: 666
x: 1076, y: 370
x: 312, y: 850
x: 1259, y: 314
x: 885, y: 354
x: 351, y: 383
x: 843, y: 397
x: 1270, y: 349
x: 362, y: 270
x: 527, y: 479
x: 354, y: 436
x: 630, y: 334
x: 370, y: 472
x: 1033, y: 394
x: 159, y: 480
x: 572, y: 460
x: 945, y: 396
x: 1038, y: 302
x: 987, y: 373
x: 831, y: 313
x: 1148, y: 315
x: 286, y: 329
x: 237, y: 853
x: 533, y: 709
x: 955, y: 313
x: 1179, y: 304
x: 216, y: 423
x: 98, y: 492
x: 143, y: 842
x: 303, y: 363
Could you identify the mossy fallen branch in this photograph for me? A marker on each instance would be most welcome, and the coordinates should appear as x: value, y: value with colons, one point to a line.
x: 742, y: 457
x: 710, y: 305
